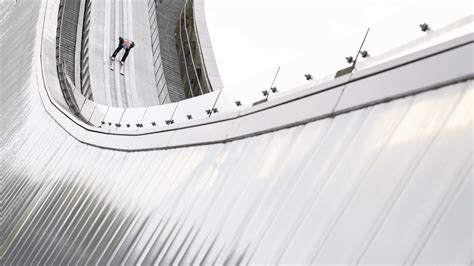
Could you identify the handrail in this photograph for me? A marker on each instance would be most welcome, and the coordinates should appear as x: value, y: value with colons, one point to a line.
x: 203, y: 61
x: 183, y: 53
x: 188, y: 52
x: 191, y: 52
x: 67, y: 86
x: 84, y: 58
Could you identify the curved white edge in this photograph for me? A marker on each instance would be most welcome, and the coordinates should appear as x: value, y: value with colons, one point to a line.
x: 446, y: 63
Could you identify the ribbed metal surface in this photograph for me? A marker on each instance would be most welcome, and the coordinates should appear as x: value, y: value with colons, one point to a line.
x: 389, y: 184
x: 5, y: 6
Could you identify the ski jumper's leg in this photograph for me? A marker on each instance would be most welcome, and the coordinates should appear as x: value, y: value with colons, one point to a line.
x: 117, y: 51
x: 127, y: 50
x: 120, y: 46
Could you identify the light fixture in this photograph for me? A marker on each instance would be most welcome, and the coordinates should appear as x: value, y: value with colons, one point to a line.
x: 350, y: 59
x: 189, y: 117
x: 308, y: 76
x: 238, y: 103
x: 364, y: 54
x: 274, y: 89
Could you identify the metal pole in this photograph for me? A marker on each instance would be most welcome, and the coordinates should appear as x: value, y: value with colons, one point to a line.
x: 361, y: 46
x: 273, y: 83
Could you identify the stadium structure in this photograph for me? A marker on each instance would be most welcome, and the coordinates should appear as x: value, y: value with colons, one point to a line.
x: 163, y: 165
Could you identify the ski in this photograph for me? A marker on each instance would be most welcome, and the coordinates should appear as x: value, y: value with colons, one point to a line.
x: 122, y: 71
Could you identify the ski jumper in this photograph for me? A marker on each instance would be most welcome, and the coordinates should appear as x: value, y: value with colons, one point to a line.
x: 124, y: 44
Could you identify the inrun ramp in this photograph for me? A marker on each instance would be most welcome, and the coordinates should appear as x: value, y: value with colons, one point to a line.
x: 109, y: 21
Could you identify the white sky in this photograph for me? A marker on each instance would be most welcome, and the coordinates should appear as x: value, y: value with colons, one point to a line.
x: 251, y: 38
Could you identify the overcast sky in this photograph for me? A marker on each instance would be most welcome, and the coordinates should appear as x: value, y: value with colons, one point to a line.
x: 251, y: 38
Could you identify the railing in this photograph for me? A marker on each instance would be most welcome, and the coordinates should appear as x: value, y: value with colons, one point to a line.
x: 86, y: 89
x: 165, y: 11
x: 67, y: 85
x: 193, y: 70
